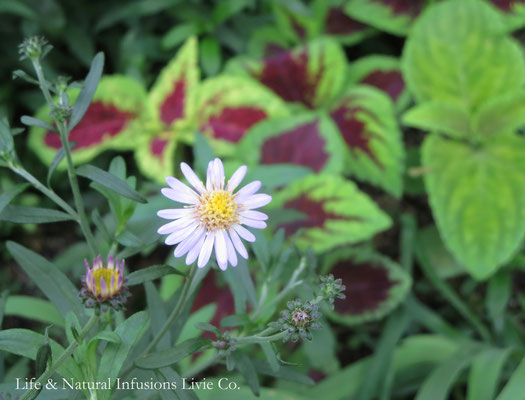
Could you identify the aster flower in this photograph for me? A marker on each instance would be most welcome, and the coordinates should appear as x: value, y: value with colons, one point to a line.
x: 213, y: 216
x: 104, y: 285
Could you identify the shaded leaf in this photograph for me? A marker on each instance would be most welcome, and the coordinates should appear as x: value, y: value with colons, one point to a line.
x: 174, y: 355
x: 32, y: 215
x: 35, y: 309
x: 150, y: 274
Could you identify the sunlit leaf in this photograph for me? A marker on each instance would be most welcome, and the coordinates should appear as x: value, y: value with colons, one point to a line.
x: 155, y: 156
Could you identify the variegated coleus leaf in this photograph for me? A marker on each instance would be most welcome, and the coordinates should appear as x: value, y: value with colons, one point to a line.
x: 308, y: 139
x: 334, y: 212
x: 384, y: 73
x: 366, y: 120
x: 513, y: 12
x: 170, y: 113
x: 110, y: 121
x: 393, y: 16
x: 311, y: 75
x: 375, y: 285
x: 228, y: 106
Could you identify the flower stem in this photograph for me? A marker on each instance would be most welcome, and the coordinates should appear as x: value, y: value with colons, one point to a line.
x: 32, y: 393
x: 260, y: 339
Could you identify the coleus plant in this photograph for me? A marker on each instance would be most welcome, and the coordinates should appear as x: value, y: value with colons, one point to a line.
x: 467, y: 79
x: 357, y: 121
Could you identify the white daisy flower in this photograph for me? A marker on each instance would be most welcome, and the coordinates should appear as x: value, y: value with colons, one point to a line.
x: 213, y: 215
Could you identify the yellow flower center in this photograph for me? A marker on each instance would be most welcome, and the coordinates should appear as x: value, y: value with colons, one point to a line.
x: 106, y: 274
x: 217, y: 210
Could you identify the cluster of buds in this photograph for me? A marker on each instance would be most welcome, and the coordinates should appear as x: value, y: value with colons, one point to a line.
x: 34, y: 48
x: 332, y: 289
x: 103, y: 285
x: 298, y: 320
x: 225, y: 344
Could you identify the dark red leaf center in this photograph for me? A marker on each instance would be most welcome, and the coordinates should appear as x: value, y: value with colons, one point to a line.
x: 173, y: 106
x: 232, y: 123
x: 338, y: 23
x: 390, y: 82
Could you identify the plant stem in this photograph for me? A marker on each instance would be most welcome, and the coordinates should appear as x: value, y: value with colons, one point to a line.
x: 260, y: 339
x: 32, y: 393
x: 41, y: 80
x: 77, y: 196
x: 46, y: 191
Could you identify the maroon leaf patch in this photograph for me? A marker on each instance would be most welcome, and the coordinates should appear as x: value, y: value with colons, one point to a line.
x: 338, y: 23
x: 390, y: 82
x: 232, y: 123
x: 302, y: 145
x: 506, y: 5
x: 157, y: 147
x: 101, y: 120
x: 173, y: 106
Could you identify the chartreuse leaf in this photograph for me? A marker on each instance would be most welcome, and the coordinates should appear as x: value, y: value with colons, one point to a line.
x: 374, y: 150
x: 228, y: 106
x: 35, y: 309
x: 382, y: 72
x: 501, y: 114
x: 439, y: 383
x: 375, y: 285
x: 25, y: 343
x: 53, y: 283
x: 465, y: 182
x: 156, y: 156
x: 485, y: 373
x: 173, y: 355
x: 515, y: 387
x: 130, y: 332
x: 308, y: 139
x: 456, y: 52
x: 387, y: 15
x: 451, y: 119
x: 110, y: 122
x: 336, y: 212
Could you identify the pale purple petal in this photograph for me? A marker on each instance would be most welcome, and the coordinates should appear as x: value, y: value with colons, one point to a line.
x: 179, y: 186
x: 238, y: 244
x: 209, y: 176
x: 252, y: 223
x: 232, y: 255
x: 174, y: 213
x: 103, y: 287
x: 180, y: 235
x: 189, y: 242
x: 257, y: 215
x: 255, y: 201
x: 179, y: 197
x: 221, y: 251
x: 244, y: 233
x: 250, y: 188
x: 192, y: 177
x: 236, y: 178
x: 206, y: 249
x: 218, y: 174
x: 175, y: 225
x: 195, y: 251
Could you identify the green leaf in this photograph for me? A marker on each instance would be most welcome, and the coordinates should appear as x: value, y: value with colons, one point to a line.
x: 25, y: 343
x: 30, y: 121
x: 150, y: 274
x: 158, y: 315
x: 436, y: 116
x: 374, y: 150
x: 284, y: 372
x: 210, y: 55
x: 35, y: 309
x: 270, y: 356
x: 59, y: 156
x: 110, y: 181
x: 440, y: 381
x: 88, y: 90
x: 245, y: 366
x: 179, y: 34
x: 202, y: 153
x: 9, y: 195
x: 130, y: 332
x: 235, y: 320
x: 174, y: 355
x: 501, y: 114
x: 337, y: 213
x: 53, y: 283
x: 467, y: 61
x: 515, y: 387
x: 466, y: 182
x: 485, y: 374
x: 19, y: 8
x: 32, y: 215
x: 499, y: 291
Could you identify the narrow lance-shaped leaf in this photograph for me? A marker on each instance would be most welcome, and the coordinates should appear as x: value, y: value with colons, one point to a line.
x: 375, y: 285
x: 465, y: 182
x: 309, y: 140
x: 32, y: 215
x: 374, y: 150
x: 335, y: 212
x: 109, y: 122
x: 174, y: 355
